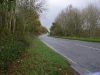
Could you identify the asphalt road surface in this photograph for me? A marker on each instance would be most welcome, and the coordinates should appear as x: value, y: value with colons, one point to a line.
x: 84, y: 57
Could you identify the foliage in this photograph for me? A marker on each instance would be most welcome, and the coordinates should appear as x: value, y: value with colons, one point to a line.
x: 11, y: 47
x: 73, y: 22
x: 17, y: 19
x: 44, y: 30
x: 41, y: 60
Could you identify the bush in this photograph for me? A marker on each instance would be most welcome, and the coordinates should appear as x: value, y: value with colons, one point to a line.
x: 11, y: 47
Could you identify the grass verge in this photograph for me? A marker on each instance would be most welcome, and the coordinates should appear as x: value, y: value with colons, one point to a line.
x: 82, y: 39
x: 41, y: 60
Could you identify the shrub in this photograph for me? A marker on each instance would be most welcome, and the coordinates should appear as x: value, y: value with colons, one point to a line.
x: 11, y: 47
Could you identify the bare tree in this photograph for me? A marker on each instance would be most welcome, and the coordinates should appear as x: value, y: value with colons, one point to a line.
x: 90, y: 17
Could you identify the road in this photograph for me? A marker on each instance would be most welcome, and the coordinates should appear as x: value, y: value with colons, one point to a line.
x: 84, y: 57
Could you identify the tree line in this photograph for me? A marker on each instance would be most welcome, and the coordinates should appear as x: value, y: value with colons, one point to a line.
x: 20, y: 15
x: 18, y: 19
x: 77, y: 23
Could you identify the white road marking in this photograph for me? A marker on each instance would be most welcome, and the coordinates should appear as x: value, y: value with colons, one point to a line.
x: 87, y: 47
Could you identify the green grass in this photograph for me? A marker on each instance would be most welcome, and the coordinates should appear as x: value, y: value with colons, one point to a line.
x: 84, y: 39
x: 41, y: 60
x: 81, y: 38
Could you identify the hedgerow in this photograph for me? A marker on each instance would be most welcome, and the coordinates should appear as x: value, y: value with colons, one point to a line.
x: 11, y: 47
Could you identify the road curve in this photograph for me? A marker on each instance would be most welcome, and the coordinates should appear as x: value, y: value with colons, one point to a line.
x: 83, y: 56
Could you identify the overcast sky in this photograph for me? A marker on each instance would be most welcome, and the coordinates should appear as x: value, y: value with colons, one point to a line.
x: 54, y: 7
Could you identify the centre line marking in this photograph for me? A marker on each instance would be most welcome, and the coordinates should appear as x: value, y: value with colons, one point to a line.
x: 87, y: 47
